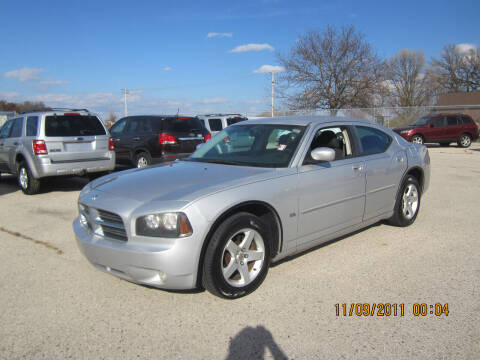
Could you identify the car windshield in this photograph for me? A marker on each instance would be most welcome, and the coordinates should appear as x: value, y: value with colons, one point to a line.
x: 262, y: 145
x: 422, y: 121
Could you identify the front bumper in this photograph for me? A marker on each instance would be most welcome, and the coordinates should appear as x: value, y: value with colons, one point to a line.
x: 161, y: 263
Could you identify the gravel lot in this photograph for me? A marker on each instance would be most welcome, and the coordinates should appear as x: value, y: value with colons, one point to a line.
x: 55, y: 305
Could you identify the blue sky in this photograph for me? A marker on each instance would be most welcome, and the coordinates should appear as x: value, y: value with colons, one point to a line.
x: 81, y: 53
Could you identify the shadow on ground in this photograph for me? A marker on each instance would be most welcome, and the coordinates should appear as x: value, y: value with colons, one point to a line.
x: 252, y: 343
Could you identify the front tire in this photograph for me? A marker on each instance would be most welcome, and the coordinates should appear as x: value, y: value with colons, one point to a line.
x: 238, y: 256
x: 142, y: 159
x: 27, y: 182
x: 417, y: 139
x: 407, y: 204
x: 464, y: 141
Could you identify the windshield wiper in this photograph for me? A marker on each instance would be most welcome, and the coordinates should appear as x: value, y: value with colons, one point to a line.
x: 211, y: 161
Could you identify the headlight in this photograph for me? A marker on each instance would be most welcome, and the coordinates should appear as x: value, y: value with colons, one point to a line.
x: 82, y: 215
x: 405, y: 131
x: 164, y: 225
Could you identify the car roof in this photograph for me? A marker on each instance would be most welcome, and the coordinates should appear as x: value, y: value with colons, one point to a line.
x: 303, y: 120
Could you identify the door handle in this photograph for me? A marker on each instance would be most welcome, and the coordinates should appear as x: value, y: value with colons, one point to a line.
x: 15, y: 143
x: 357, y: 167
x: 400, y: 159
x: 136, y: 138
x: 116, y: 139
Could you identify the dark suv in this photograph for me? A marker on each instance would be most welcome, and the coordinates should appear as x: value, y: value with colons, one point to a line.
x: 441, y: 128
x: 143, y: 140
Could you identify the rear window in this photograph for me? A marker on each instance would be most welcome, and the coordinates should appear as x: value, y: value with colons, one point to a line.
x: 234, y: 120
x: 73, y: 125
x: 466, y: 120
x: 215, y: 124
x: 182, y: 125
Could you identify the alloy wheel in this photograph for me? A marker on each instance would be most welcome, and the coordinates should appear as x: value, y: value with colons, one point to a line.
x: 410, y: 201
x: 465, y: 140
x: 243, y: 257
x: 23, y: 178
x: 142, y: 162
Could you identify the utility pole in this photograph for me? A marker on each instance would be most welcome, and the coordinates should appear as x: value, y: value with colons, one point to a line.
x: 273, y: 89
x: 125, y: 93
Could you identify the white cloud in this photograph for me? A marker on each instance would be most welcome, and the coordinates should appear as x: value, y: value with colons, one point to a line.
x: 465, y: 48
x: 215, y: 100
x: 167, y: 68
x: 269, y: 69
x: 252, y: 47
x: 54, y: 82
x: 220, y: 35
x: 24, y: 74
x: 10, y: 95
x: 254, y: 102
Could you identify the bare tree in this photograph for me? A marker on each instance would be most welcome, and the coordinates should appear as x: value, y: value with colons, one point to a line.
x: 111, y: 119
x: 456, y: 70
x: 406, y: 79
x: 26, y: 106
x: 331, y: 70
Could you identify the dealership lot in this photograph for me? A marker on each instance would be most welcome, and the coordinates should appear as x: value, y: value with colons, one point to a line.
x: 56, y: 305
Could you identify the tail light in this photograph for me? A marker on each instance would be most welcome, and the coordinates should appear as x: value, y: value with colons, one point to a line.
x: 111, y: 146
x: 164, y: 139
x: 39, y: 147
x: 208, y: 137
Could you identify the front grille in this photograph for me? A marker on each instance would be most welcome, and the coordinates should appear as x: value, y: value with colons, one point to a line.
x: 105, y: 223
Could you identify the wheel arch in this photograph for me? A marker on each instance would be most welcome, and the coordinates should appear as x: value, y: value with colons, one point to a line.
x: 417, y: 173
x: 256, y: 207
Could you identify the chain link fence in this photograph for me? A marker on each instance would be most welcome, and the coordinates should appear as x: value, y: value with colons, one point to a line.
x: 393, y: 117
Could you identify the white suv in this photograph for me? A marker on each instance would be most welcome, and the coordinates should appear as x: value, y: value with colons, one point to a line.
x: 217, y: 122
x: 54, y: 143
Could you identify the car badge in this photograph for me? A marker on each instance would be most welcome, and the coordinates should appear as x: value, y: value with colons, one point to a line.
x: 94, y: 196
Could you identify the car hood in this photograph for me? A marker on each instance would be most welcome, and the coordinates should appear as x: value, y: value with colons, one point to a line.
x: 182, y: 180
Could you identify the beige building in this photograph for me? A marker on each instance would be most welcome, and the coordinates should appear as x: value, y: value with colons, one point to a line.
x: 464, y: 102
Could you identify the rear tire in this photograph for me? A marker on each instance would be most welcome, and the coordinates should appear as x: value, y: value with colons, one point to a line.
x: 464, y: 141
x: 407, y: 204
x: 238, y: 256
x: 27, y: 182
x: 142, y: 159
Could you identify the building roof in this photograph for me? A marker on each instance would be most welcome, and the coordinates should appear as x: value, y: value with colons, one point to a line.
x: 459, y: 99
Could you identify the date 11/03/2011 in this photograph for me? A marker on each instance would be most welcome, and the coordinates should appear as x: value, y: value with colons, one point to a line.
x: 389, y: 309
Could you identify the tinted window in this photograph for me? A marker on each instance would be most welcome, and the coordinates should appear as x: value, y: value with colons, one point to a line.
x: 452, y: 121
x: 234, y: 120
x: 215, y: 124
x: 73, y: 125
x: 372, y: 140
x: 138, y: 125
x: 5, y: 131
x: 16, y: 128
x: 466, y: 120
x: 182, y: 125
x: 440, y: 121
x: 32, y: 125
x: 118, y: 127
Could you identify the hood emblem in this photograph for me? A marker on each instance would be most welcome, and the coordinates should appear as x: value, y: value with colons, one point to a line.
x: 94, y: 196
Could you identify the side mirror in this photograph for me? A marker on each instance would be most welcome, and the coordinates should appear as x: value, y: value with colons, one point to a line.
x: 323, y: 154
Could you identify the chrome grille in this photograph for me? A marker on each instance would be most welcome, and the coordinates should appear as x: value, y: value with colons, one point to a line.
x: 105, y: 223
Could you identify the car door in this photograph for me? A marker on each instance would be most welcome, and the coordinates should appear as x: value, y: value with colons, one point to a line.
x: 11, y: 142
x: 454, y: 127
x: 331, y: 195
x: 117, y: 132
x: 436, y: 129
x: 4, y: 134
x: 385, y: 163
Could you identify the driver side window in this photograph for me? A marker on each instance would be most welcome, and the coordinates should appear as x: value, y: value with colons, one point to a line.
x: 336, y: 138
x: 118, y: 127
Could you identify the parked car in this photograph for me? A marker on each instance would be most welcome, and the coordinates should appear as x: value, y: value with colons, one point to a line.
x: 257, y: 192
x: 441, y: 128
x: 59, y: 142
x: 215, y: 123
x: 143, y: 140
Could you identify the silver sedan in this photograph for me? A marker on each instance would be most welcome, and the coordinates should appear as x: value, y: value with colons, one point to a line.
x: 257, y: 192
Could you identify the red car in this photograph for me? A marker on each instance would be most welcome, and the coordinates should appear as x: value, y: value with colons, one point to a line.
x: 441, y: 128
